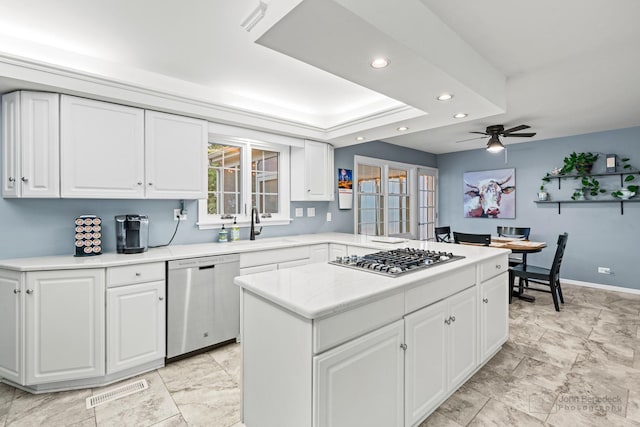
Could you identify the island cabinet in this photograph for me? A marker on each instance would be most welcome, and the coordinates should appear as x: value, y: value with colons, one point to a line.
x: 55, y: 322
x: 389, y: 360
x: 441, y: 352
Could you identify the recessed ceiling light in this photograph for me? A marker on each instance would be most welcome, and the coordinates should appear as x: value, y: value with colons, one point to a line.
x: 403, y: 128
x: 460, y: 115
x: 379, y: 63
x: 359, y: 138
x: 445, y: 97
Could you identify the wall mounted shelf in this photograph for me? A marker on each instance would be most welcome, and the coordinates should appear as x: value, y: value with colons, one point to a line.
x: 559, y: 202
x: 576, y: 176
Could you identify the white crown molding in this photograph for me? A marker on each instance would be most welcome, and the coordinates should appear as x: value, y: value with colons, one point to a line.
x: 45, y: 76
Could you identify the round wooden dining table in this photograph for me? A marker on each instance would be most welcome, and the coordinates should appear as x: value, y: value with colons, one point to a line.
x: 523, y: 247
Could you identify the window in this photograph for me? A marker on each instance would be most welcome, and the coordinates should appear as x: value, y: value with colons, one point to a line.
x: 243, y: 174
x: 385, y: 198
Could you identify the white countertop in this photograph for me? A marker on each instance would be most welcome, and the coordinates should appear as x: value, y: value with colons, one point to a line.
x: 318, y: 290
x: 66, y: 262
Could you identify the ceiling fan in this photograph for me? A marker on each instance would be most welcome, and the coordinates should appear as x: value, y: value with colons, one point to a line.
x: 494, y: 145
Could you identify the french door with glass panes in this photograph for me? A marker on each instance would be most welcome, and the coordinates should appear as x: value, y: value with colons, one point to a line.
x: 427, y: 212
x: 385, y: 198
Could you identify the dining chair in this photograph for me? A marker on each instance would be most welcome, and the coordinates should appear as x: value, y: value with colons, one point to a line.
x: 515, y: 233
x: 540, y: 275
x: 474, y: 239
x: 443, y: 234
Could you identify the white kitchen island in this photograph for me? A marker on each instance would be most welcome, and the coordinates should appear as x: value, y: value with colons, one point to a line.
x: 325, y: 345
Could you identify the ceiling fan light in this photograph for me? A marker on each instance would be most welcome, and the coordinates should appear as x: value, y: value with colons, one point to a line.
x: 494, y: 145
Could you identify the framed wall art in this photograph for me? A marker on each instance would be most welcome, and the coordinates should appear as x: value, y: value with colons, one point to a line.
x: 490, y: 194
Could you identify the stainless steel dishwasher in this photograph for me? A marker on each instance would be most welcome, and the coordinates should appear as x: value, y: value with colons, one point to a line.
x: 203, y: 304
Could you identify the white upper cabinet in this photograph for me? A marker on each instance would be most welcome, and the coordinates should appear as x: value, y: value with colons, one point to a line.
x: 30, y: 144
x: 175, y: 156
x: 312, y: 172
x: 102, y: 149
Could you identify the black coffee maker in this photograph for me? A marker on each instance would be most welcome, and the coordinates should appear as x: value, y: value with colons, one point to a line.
x: 132, y: 234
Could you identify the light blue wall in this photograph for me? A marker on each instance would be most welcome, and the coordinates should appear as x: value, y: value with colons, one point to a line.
x: 598, y: 235
x: 343, y: 218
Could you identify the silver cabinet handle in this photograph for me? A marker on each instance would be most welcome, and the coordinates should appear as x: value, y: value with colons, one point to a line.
x: 151, y: 183
x: 161, y: 298
x: 485, y: 300
x: 29, y: 291
x: 12, y: 179
x: 498, y: 266
x: 139, y: 182
x: 16, y: 291
x: 23, y: 179
x: 452, y: 318
x: 138, y: 274
x: 403, y: 346
x: 447, y: 321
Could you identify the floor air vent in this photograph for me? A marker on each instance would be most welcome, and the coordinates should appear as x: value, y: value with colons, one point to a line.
x: 116, y: 393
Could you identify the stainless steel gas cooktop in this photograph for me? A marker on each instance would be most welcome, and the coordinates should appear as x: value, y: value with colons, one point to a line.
x: 396, y: 262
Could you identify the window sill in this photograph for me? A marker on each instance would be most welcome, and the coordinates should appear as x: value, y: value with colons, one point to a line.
x: 228, y: 223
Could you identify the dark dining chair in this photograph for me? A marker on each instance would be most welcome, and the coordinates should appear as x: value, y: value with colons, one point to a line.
x: 515, y: 233
x: 443, y: 234
x: 474, y: 239
x: 540, y: 275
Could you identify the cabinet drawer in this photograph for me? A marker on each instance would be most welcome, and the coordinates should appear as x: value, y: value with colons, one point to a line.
x: 440, y: 288
x: 331, y: 331
x: 494, y: 266
x: 137, y: 273
x: 258, y: 269
x: 275, y: 256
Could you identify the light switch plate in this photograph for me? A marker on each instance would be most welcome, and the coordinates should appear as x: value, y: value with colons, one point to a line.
x: 311, y: 211
x: 328, y: 216
x: 299, y: 212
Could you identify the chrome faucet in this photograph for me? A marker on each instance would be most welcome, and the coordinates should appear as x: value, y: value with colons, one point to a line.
x: 254, y: 215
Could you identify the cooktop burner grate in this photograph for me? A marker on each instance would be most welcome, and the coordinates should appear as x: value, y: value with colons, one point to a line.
x: 396, y: 262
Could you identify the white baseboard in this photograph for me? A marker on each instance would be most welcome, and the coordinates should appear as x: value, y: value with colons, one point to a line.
x: 600, y: 286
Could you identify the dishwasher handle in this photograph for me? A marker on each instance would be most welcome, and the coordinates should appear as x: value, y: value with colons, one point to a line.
x: 205, y: 267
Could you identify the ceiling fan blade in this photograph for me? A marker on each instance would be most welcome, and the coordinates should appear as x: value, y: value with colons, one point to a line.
x: 481, y: 133
x: 471, y: 139
x: 526, y: 135
x: 515, y: 129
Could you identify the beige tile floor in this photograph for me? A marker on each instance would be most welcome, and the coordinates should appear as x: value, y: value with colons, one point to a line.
x: 579, y: 367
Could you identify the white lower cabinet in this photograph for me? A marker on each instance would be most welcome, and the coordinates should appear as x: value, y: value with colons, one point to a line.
x: 11, y: 362
x: 361, y: 383
x: 441, y: 352
x: 494, y: 314
x: 64, y: 325
x: 135, y: 325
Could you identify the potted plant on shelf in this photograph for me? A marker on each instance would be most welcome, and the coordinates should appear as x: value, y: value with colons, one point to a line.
x: 582, y: 163
x: 590, y: 186
x: 542, y: 194
x: 631, y: 190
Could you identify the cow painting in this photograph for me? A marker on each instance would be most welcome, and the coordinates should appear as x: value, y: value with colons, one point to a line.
x: 489, y: 194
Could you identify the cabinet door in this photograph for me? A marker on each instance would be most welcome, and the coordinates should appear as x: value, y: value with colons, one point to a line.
x: 175, y: 156
x: 494, y: 315
x: 336, y: 251
x: 65, y: 317
x: 40, y: 148
x: 316, y: 170
x: 360, y: 383
x: 10, y: 144
x: 426, y: 361
x: 258, y: 269
x: 293, y: 263
x: 135, y: 325
x: 318, y: 253
x: 11, y: 327
x: 462, y: 336
x: 102, y: 149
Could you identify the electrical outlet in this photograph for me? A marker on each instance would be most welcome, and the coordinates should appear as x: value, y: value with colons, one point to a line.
x: 311, y: 211
x: 176, y: 214
x: 299, y: 212
x: 604, y: 270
